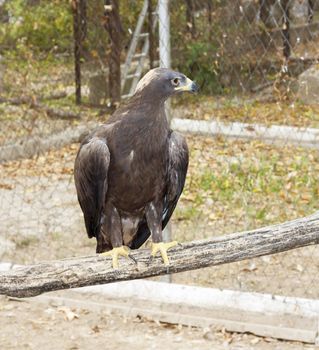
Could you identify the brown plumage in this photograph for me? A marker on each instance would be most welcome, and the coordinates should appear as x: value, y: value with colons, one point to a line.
x: 130, y: 172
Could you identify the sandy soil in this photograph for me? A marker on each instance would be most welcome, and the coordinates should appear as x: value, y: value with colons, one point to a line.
x: 28, y: 324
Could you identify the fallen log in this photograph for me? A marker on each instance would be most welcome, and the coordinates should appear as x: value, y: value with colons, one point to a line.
x: 92, y: 270
x: 29, y: 147
x: 33, y: 103
x: 55, y: 95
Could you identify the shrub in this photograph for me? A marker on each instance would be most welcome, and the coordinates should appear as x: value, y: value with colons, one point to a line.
x: 45, y: 26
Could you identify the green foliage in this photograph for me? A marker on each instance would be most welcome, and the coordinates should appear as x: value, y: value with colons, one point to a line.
x: 130, y: 11
x: 267, y: 176
x: 197, y: 58
x: 41, y: 28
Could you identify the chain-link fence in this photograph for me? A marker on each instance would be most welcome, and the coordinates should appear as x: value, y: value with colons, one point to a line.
x: 253, y: 158
x: 252, y: 131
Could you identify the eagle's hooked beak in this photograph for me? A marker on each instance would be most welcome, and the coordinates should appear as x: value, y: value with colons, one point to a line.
x: 189, y: 85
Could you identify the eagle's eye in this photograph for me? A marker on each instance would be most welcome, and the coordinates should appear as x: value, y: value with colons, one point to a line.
x: 175, y: 81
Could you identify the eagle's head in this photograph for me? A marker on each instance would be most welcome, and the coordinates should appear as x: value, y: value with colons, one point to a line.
x: 161, y: 83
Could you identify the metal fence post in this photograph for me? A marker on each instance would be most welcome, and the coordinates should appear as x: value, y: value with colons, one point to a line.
x: 164, y: 34
x: 165, y: 62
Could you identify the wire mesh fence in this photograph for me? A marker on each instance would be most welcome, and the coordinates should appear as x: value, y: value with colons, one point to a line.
x: 252, y: 131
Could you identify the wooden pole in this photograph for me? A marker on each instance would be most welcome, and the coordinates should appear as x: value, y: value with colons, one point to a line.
x: 91, y: 270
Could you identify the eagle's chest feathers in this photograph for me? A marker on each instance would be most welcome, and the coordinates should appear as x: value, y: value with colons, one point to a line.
x: 138, y: 167
x: 146, y: 160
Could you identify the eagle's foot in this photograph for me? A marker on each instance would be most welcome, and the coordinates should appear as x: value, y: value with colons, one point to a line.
x: 116, y: 252
x: 162, y: 248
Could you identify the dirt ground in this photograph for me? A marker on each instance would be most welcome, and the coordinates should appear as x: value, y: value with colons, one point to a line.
x: 41, y: 220
x: 28, y: 324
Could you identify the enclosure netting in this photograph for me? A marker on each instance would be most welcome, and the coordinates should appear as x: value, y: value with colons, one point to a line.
x: 253, y: 148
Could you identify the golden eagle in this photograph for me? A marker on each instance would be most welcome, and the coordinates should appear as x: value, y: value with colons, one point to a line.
x: 130, y: 172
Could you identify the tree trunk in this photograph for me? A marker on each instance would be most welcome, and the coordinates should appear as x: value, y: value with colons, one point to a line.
x: 264, y: 10
x: 112, y: 24
x: 311, y: 4
x: 190, y: 17
x: 151, y: 33
x: 286, y: 29
x: 209, y: 9
x: 79, y: 33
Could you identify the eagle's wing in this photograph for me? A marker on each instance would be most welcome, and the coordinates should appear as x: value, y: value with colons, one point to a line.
x: 177, y: 169
x: 90, y: 175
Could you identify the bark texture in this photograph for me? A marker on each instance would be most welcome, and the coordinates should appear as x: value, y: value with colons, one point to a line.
x: 113, y: 25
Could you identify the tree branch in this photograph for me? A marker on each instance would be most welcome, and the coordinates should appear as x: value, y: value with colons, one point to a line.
x: 91, y: 270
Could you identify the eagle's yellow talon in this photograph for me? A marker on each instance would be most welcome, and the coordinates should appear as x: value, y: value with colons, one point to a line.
x: 115, y: 253
x: 162, y: 248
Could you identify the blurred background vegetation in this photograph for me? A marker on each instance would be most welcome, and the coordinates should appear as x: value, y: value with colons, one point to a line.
x: 226, y: 48
x: 38, y: 31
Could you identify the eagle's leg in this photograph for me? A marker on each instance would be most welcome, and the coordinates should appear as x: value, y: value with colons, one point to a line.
x: 162, y: 248
x: 115, y: 253
x: 112, y: 230
x: 153, y: 213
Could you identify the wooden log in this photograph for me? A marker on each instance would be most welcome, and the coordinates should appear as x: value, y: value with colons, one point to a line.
x: 59, y: 113
x: 92, y: 270
x: 55, y: 95
x: 28, y: 147
x: 16, y: 101
x: 33, y: 103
